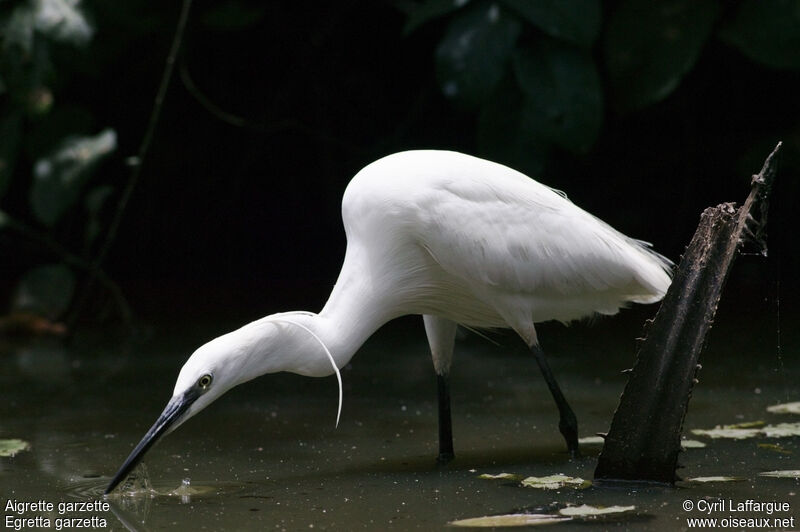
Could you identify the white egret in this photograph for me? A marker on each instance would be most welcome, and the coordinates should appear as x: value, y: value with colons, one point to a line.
x: 457, y: 239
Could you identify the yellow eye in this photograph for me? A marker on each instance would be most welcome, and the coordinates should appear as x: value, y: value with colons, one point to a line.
x: 205, y: 381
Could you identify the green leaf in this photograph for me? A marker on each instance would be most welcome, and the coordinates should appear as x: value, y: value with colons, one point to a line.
x: 62, y: 20
x: 13, y: 446
x: 429, y: 10
x: 509, y: 520
x: 563, y: 97
x: 650, y: 46
x: 715, y: 479
x: 787, y: 473
x: 472, y: 57
x: 502, y: 138
x: 785, y: 408
x: 500, y: 476
x: 59, y: 177
x: 18, y: 31
x: 586, y: 510
x: 554, y: 482
x: 95, y: 200
x: 9, y: 143
x: 233, y: 15
x: 766, y: 32
x: 576, y: 21
x: 46, y: 290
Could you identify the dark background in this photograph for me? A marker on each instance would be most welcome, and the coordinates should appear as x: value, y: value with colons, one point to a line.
x: 244, y: 219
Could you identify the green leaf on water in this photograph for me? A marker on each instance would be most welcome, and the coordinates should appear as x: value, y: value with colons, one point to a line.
x: 766, y: 32
x: 790, y: 473
x: 747, y: 425
x: 554, y: 482
x: 692, y: 444
x: 472, y: 57
x: 774, y: 447
x: 500, y: 476
x: 727, y: 432
x: 510, y: 520
x: 12, y: 446
x: 716, y: 479
x: 782, y: 430
x: 586, y: 510
x: 650, y: 46
x: 785, y: 408
x: 742, y: 431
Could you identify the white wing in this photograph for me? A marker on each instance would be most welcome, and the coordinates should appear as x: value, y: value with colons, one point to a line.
x: 515, y: 244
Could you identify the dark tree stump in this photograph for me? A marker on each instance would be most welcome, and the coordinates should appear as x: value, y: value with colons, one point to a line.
x: 644, y: 440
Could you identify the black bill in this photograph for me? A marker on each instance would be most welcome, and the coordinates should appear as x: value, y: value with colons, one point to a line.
x: 174, y: 410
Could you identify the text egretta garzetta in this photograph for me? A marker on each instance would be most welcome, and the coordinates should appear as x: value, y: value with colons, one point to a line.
x: 457, y: 239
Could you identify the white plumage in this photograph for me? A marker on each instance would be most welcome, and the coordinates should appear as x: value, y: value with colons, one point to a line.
x: 452, y: 237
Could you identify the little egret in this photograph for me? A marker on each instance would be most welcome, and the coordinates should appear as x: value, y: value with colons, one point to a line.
x: 457, y: 239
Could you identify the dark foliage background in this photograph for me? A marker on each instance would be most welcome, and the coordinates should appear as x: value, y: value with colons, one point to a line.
x: 643, y: 112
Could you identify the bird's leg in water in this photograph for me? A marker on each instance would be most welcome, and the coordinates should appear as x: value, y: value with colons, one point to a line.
x: 445, y: 422
x: 567, y: 423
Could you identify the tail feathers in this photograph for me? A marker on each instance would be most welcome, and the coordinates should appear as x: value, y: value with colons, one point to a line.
x: 654, y: 273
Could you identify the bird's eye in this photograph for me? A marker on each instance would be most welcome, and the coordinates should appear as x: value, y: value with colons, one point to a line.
x: 205, y: 381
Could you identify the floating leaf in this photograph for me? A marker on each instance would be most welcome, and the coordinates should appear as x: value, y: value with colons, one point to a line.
x: 502, y: 476
x: 59, y: 177
x: 563, y: 98
x: 766, y: 32
x: 576, y: 21
x: 62, y: 20
x: 13, y: 446
x: 789, y: 473
x: 692, y: 444
x: 715, y: 479
x: 586, y: 510
x: 45, y: 290
x: 510, y: 520
x: 471, y: 58
x: 774, y: 447
x: 782, y: 430
x: 650, y: 46
x: 747, y: 425
x: 742, y: 431
x: 428, y: 10
x: 725, y: 432
x: 554, y: 482
x: 785, y: 408
x: 592, y: 440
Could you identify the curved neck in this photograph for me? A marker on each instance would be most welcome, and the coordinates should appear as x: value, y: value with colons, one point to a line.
x: 351, y: 315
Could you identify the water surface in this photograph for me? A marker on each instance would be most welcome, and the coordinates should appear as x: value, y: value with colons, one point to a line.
x: 267, y: 455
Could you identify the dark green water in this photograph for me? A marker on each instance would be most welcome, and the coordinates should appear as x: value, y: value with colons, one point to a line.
x: 267, y: 455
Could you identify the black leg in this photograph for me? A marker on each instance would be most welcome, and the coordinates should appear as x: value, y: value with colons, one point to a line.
x: 445, y: 422
x: 567, y: 423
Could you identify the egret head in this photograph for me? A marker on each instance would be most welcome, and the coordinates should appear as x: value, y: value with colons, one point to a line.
x: 282, y: 342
